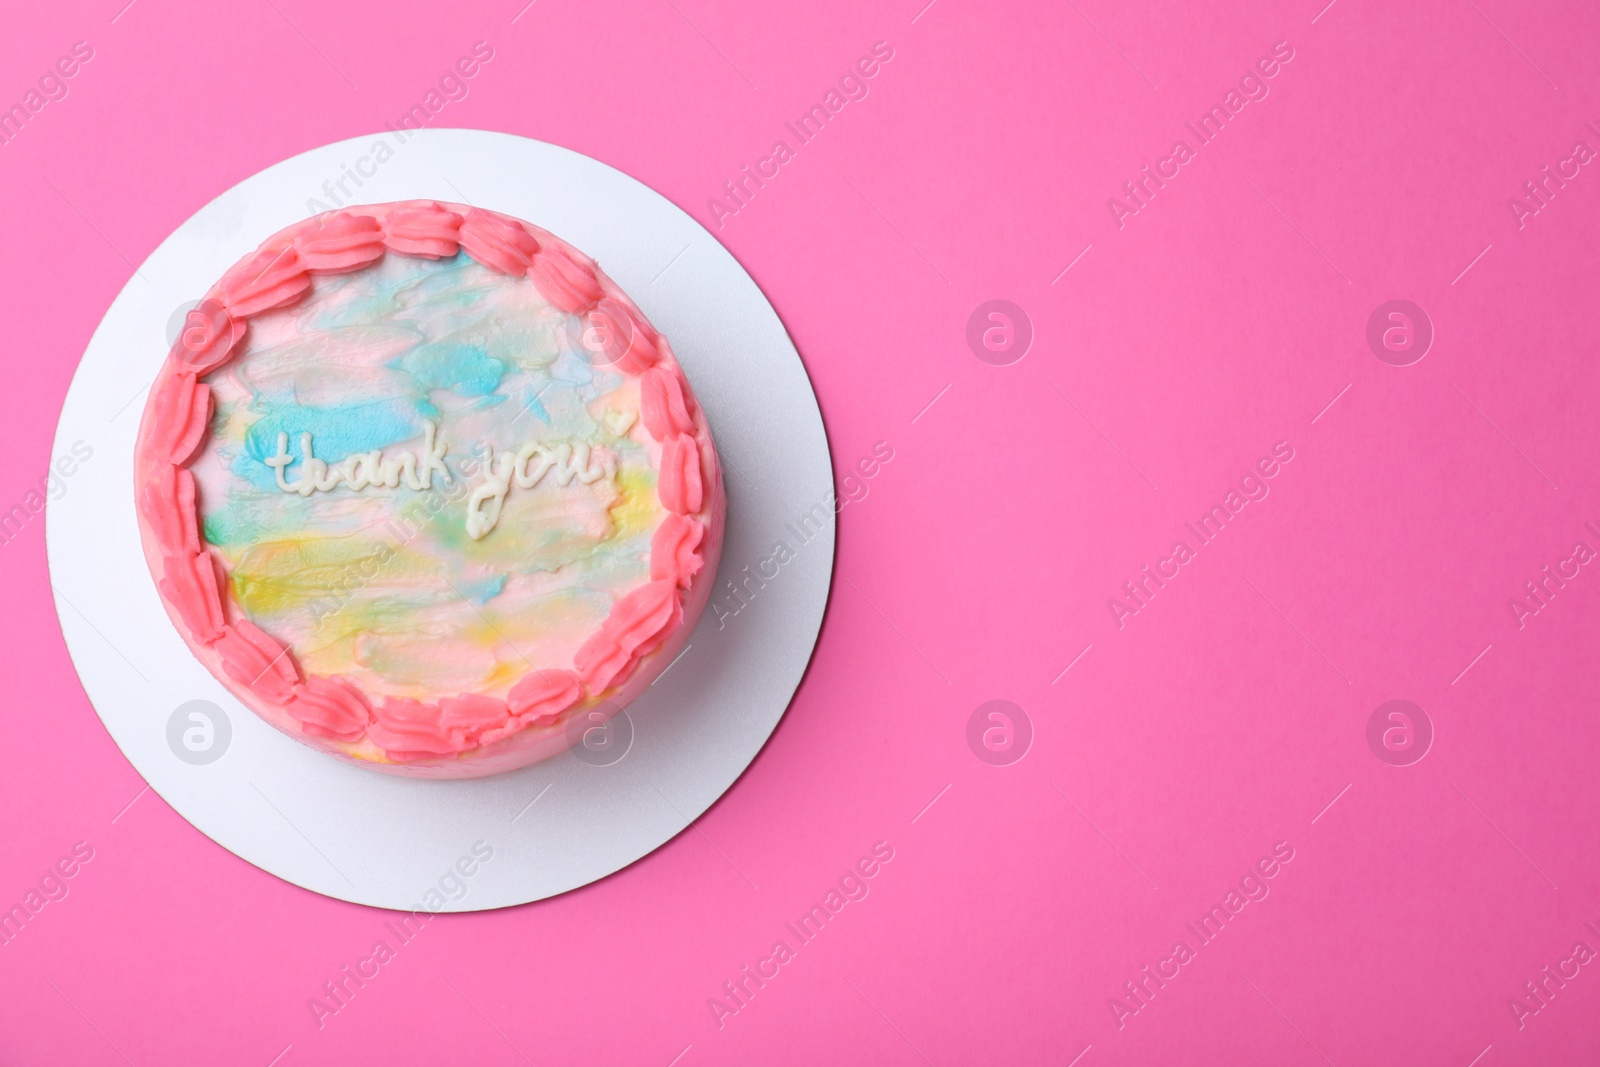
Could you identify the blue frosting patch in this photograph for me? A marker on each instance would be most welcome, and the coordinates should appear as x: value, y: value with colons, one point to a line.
x: 255, y: 472
x: 483, y: 589
x: 532, y: 404
x: 464, y: 369
x: 336, y: 432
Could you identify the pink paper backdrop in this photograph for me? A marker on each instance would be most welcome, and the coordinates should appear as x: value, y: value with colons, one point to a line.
x: 1229, y: 714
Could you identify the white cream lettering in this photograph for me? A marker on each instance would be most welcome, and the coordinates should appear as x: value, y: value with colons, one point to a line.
x: 525, y: 468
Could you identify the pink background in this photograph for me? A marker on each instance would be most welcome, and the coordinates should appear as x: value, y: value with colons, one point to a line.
x: 1221, y: 719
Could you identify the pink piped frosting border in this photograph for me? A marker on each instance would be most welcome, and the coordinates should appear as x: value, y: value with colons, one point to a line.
x: 332, y: 712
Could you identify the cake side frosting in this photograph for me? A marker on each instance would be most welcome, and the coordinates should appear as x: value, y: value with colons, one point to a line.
x: 419, y: 480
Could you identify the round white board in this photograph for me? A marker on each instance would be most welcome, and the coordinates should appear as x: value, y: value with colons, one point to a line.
x: 392, y: 842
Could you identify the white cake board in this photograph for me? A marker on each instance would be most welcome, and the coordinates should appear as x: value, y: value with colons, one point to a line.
x: 381, y: 840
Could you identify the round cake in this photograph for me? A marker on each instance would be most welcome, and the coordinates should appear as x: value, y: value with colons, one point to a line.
x: 425, y: 490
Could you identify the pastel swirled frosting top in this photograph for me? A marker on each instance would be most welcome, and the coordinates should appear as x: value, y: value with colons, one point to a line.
x: 422, y: 487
